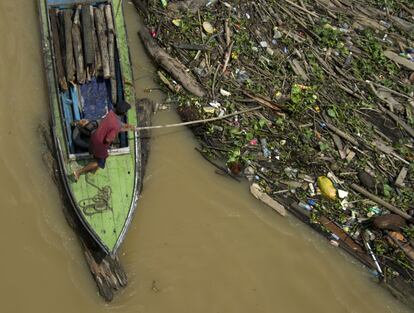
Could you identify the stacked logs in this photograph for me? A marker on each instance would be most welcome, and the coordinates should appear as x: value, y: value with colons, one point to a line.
x: 84, y: 44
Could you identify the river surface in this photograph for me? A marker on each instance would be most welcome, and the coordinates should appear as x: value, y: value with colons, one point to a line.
x: 199, y: 242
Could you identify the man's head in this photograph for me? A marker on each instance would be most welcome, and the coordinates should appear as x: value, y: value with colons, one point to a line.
x: 122, y: 107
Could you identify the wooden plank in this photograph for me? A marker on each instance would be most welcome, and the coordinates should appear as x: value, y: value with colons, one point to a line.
x: 400, y: 60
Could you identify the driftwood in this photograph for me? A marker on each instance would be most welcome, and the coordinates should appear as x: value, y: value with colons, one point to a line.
x: 189, y: 46
x: 70, y: 62
x: 190, y: 5
x: 378, y: 200
x: 78, y: 48
x: 171, y: 65
x: 259, y: 194
x: 102, y: 39
x: 145, y: 109
x: 396, y: 119
x: 57, y: 48
x: 111, y: 50
x: 141, y: 5
x: 87, y: 32
x: 342, y: 134
x: 400, y: 60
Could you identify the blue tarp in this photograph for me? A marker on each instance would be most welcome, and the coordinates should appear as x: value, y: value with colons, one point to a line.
x: 95, y: 98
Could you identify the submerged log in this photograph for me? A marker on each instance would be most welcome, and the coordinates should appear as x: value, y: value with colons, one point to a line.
x: 141, y: 5
x: 111, y: 50
x: 102, y: 39
x: 171, y: 65
x: 77, y: 48
x: 57, y: 48
x: 106, y: 270
x: 70, y: 62
x: 145, y: 109
x: 87, y: 29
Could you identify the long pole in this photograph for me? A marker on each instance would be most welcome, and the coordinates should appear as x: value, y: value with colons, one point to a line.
x: 199, y: 121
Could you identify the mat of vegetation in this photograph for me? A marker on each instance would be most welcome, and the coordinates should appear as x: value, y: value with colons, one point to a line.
x: 334, y: 136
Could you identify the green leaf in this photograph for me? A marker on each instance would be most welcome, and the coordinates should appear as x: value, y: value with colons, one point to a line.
x: 332, y: 113
x: 323, y: 146
x: 262, y: 122
x: 387, y: 191
x: 249, y: 136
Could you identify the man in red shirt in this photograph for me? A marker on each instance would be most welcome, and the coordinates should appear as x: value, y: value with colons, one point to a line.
x: 102, y: 138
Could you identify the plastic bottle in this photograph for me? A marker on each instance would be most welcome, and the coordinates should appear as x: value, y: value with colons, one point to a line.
x: 265, y: 150
x: 305, y: 206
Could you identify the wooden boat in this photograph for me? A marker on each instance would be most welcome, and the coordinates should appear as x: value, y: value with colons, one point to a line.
x: 105, y: 201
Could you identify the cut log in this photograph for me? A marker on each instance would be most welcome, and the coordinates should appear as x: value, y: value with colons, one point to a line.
x: 111, y: 50
x: 177, y: 70
x: 62, y: 41
x: 102, y: 39
x: 78, y: 48
x: 87, y: 29
x: 53, y: 14
x: 98, y: 60
x: 70, y: 62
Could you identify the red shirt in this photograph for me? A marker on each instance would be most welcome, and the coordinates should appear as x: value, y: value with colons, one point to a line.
x: 101, y: 139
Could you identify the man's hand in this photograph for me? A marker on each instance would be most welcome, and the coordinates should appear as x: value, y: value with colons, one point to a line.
x: 127, y: 127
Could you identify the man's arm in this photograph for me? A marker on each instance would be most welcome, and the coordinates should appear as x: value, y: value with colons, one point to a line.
x: 127, y: 127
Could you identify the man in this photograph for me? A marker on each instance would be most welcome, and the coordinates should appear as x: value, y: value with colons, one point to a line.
x: 101, y: 139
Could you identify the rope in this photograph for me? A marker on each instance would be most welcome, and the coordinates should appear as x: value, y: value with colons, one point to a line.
x: 99, y: 203
x: 199, y: 121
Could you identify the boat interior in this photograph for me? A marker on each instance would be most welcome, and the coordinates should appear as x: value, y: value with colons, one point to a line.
x: 93, y: 96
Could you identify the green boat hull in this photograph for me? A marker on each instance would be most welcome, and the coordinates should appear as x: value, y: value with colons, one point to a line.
x: 105, y: 201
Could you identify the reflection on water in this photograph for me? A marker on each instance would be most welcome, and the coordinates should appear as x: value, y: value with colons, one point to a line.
x: 199, y: 242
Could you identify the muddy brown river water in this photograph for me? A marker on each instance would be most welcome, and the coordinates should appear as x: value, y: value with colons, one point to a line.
x: 199, y: 242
